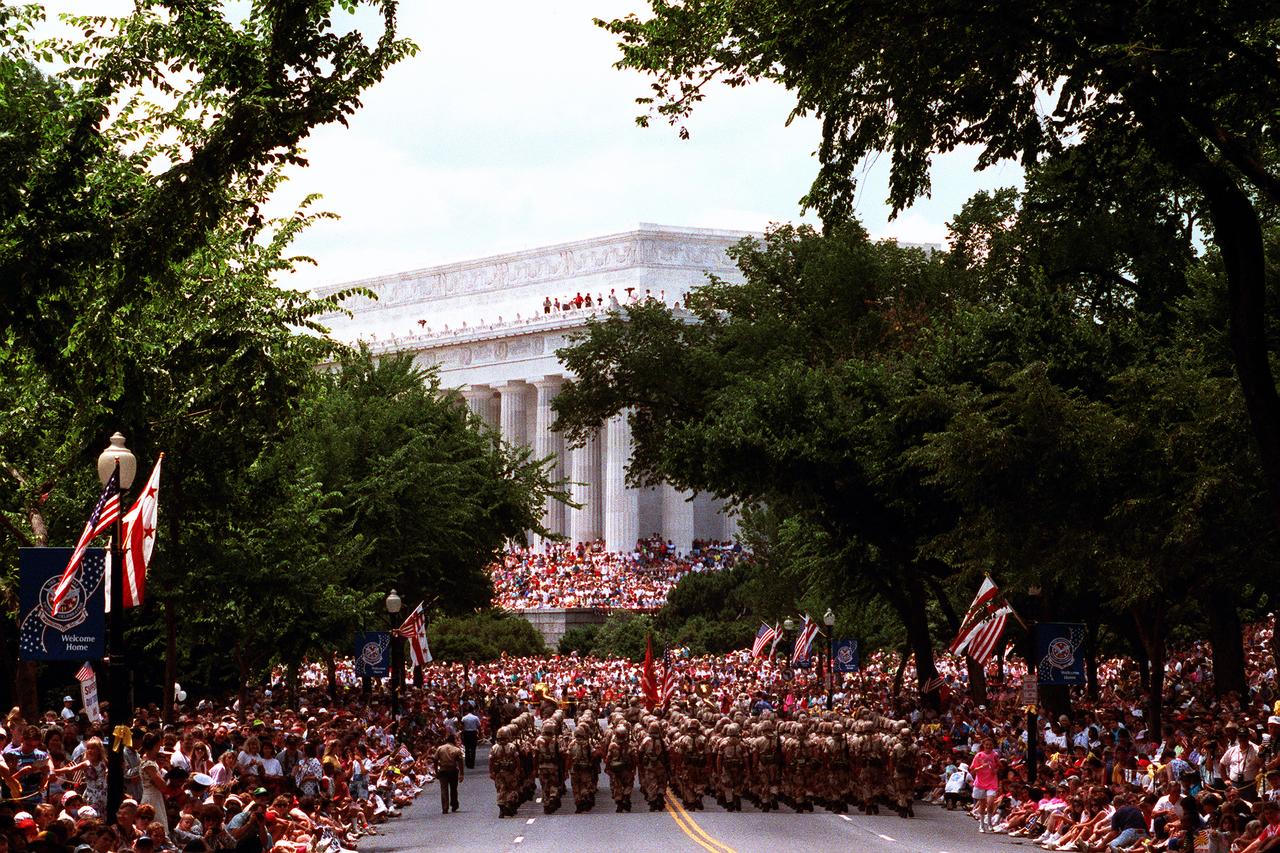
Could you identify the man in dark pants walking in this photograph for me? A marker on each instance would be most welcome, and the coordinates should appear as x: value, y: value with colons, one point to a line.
x: 470, y: 736
x: 449, y: 772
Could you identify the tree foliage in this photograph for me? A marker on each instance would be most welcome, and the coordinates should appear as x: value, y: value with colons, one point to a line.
x: 1172, y: 88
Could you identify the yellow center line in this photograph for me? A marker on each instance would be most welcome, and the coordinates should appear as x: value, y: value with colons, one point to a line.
x: 691, y: 828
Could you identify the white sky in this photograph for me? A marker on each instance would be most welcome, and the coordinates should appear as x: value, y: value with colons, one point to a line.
x: 511, y: 129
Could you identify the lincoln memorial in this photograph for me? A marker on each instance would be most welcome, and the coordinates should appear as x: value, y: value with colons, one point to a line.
x: 492, y: 327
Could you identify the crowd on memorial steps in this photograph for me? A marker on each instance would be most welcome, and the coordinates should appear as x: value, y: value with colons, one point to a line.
x: 586, y: 575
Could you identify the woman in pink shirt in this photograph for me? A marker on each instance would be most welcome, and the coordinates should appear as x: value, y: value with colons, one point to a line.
x: 986, y: 783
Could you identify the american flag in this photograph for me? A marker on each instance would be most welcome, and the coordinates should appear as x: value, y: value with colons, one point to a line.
x: 668, y: 676
x: 808, y: 631
x: 415, y: 628
x: 85, y: 673
x: 763, y: 637
x: 105, y: 513
x: 983, y: 624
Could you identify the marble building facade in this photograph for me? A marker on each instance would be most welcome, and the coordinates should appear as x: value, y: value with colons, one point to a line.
x: 482, y: 324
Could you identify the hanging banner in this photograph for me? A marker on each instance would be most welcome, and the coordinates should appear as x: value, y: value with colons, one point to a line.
x: 1060, y: 652
x: 78, y: 631
x: 845, y: 656
x: 373, y: 657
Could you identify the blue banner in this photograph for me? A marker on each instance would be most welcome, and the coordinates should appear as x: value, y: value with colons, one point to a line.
x: 79, y: 630
x: 845, y: 656
x: 373, y: 653
x: 1060, y: 652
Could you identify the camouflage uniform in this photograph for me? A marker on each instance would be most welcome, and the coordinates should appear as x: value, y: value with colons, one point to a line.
x: 550, y: 764
x: 654, y: 767
x: 585, y: 769
x: 504, y: 769
x: 690, y: 754
x: 621, y: 766
x: 797, y: 771
x: 906, y: 767
x: 768, y: 762
x: 732, y: 764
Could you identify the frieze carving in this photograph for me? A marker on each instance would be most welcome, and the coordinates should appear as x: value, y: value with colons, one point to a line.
x: 703, y: 251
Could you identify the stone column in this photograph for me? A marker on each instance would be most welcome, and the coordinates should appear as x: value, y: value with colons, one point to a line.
x: 477, y: 397
x: 584, y: 463
x: 547, y: 443
x: 677, y: 517
x: 511, y: 407
x: 621, y: 504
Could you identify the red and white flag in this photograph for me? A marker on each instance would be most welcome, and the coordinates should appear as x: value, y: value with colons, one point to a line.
x: 983, y: 624
x: 105, y: 512
x: 139, y: 538
x: 415, y: 630
x: 804, y: 641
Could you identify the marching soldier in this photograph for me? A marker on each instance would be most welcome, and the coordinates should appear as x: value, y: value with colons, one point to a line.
x: 731, y: 767
x: 906, y: 767
x: 550, y: 764
x: 655, y: 767
x: 621, y: 767
x: 504, y: 769
x: 585, y: 769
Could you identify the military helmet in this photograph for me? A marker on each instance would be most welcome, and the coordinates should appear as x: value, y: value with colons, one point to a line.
x: 582, y: 731
x: 733, y: 730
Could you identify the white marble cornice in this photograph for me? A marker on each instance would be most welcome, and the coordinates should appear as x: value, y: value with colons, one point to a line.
x: 650, y: 246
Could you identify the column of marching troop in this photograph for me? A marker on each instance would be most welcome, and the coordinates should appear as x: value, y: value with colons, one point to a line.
x: 830, y: 759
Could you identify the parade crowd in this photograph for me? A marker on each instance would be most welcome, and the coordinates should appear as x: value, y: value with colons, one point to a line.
x: 740, y: 730
x: 589, y: 576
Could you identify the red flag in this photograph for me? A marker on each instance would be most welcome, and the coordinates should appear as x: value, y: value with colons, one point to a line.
x: 139, y: 538
x: 649, y: 680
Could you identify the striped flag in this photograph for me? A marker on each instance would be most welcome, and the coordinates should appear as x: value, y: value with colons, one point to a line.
x: 415, y: 629
x: 983, y: 624
x: 138, y: 536
x: 777, y: 638
x: 763, y: 637
x: 808, y: 631
x: 668, y: 677
x: 933, y: 684
x: 85, y: 673
x: 105, y: 512
x: 648, y: 678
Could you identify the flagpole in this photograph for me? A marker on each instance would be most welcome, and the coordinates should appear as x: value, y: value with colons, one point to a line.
x: 109, y: 464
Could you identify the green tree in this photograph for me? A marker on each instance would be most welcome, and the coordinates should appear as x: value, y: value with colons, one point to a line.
x: 793, y: 390
x: 1027, y: 81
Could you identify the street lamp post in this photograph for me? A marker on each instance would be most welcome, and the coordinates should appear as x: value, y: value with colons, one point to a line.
x: 393, y: 607
x: 117, y: 459
x: 829, y: 619
x: 788, y: 625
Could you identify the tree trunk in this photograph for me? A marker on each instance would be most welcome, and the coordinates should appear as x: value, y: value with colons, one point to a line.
x: 1149, y: 620
x: 902, y: 670
x: 170, y: 660
x: 331, y: 666
x: 417, y: 677
x: 1227, y: 638
x: 1238, y: 235
x: 1091, y: 661
x: 291, y: 684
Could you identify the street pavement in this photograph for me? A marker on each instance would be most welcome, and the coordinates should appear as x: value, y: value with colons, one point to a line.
x: 477, y: 827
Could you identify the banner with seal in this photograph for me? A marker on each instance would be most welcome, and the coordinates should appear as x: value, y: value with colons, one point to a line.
x: 846, y: 656
x: 1060, y: 652
x: 373, y: 654
x: 78, y: 631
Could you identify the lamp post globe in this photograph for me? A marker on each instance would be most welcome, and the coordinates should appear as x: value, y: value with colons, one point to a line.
x: 788, y: 624
x: 108, y: 458
x: 393, y: 603
x: 829, y: 618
